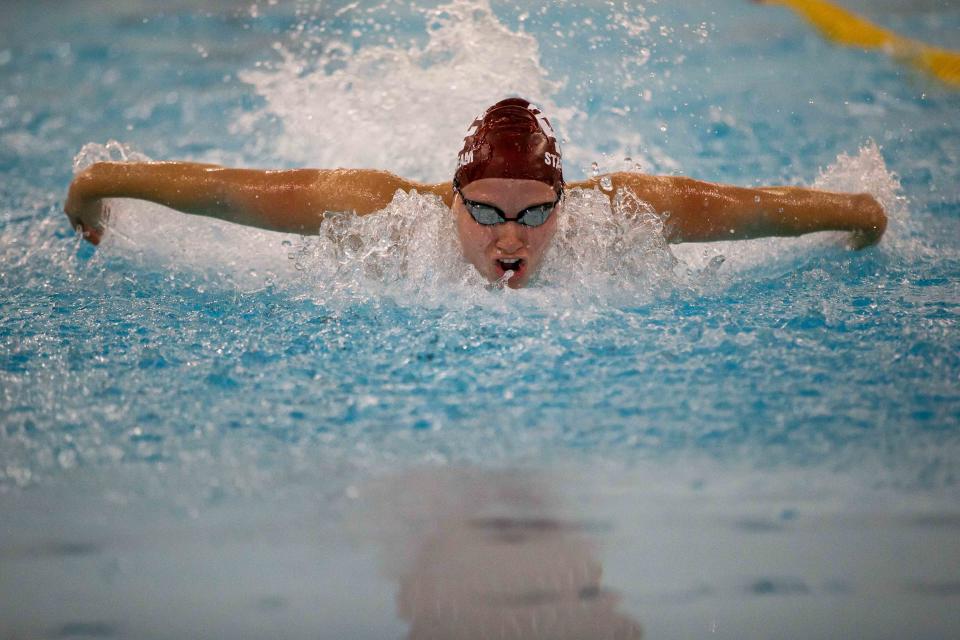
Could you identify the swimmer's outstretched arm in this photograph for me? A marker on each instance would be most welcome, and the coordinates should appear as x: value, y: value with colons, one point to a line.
x: 293, y: 201
x: 705, y: 212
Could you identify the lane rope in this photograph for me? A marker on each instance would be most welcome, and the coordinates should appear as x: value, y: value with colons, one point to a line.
x: 848, y: 29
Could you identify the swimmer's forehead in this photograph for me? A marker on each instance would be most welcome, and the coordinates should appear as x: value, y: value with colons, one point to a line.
x: 509, y: 191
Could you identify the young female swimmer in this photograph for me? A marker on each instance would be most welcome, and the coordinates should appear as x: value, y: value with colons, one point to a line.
x: 504, y: 195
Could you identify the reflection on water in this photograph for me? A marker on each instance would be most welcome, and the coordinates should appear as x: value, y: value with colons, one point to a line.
x: 485, y: 554
x: 687, y: 550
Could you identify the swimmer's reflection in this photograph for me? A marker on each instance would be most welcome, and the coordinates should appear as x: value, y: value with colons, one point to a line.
x: 483, y: 555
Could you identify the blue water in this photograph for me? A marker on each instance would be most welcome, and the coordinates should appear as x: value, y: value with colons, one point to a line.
x: 218, y: 432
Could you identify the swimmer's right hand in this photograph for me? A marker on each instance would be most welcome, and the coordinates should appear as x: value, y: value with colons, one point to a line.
x: 87, y: 214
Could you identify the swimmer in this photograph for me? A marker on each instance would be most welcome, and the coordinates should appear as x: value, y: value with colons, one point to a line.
x: 505, y: 196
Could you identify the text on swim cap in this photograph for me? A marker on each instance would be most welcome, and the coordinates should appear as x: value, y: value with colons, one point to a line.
x: 552, y: 160
x: 465, y: 158
x: 543, y: 122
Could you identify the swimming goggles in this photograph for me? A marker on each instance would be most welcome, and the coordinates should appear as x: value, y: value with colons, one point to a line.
x: 487, y: 214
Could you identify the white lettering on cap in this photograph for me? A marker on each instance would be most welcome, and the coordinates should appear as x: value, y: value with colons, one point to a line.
x: 542, y: 121
x: 475, y: 125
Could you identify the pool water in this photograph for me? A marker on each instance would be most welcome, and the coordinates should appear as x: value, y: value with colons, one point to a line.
x: 212, y: 431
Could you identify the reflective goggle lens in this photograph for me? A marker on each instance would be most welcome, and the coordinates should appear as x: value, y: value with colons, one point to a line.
x: 486, y: 214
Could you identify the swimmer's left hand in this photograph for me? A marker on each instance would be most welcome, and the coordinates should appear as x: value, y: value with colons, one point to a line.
x: 871, y: 222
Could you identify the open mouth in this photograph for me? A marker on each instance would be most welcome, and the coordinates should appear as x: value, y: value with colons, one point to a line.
x: 513, y: 264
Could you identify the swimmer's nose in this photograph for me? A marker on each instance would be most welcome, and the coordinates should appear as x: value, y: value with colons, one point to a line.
x: 510, y: 237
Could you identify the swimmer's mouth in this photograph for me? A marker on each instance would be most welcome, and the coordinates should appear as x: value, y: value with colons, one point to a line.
x: 513, y: 264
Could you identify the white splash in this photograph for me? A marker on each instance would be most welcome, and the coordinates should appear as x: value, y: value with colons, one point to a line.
x: 866, y: 172
x: 503, y: 280
x: 112, y: 151
x: 405, y: 110
x: 603, y: 243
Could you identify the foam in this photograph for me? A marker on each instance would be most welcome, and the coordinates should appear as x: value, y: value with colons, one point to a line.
x: 406, y: 110
x: 406, y: 105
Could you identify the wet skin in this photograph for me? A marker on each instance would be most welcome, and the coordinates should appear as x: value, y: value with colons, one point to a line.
x: 491, y: 248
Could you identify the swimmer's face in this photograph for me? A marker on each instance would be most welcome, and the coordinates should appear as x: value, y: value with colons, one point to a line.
x: 492, y: 249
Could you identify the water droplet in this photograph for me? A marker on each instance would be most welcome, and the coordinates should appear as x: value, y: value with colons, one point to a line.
x: 606, y: 183
x: 756, y: 199
x: 67, y: 458
x: 595, y: 169
x: 715, y: 263
x: 286, y: 243
x: 663, y: 127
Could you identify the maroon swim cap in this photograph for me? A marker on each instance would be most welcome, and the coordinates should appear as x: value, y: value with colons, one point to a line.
x: 512, y: 139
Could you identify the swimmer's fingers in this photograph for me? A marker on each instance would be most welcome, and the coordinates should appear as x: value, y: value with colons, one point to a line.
x: 93, y: 236
x: 863, y: 239
x: 84, y: 210
x: 860, y: 240
x: 89, y: 219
